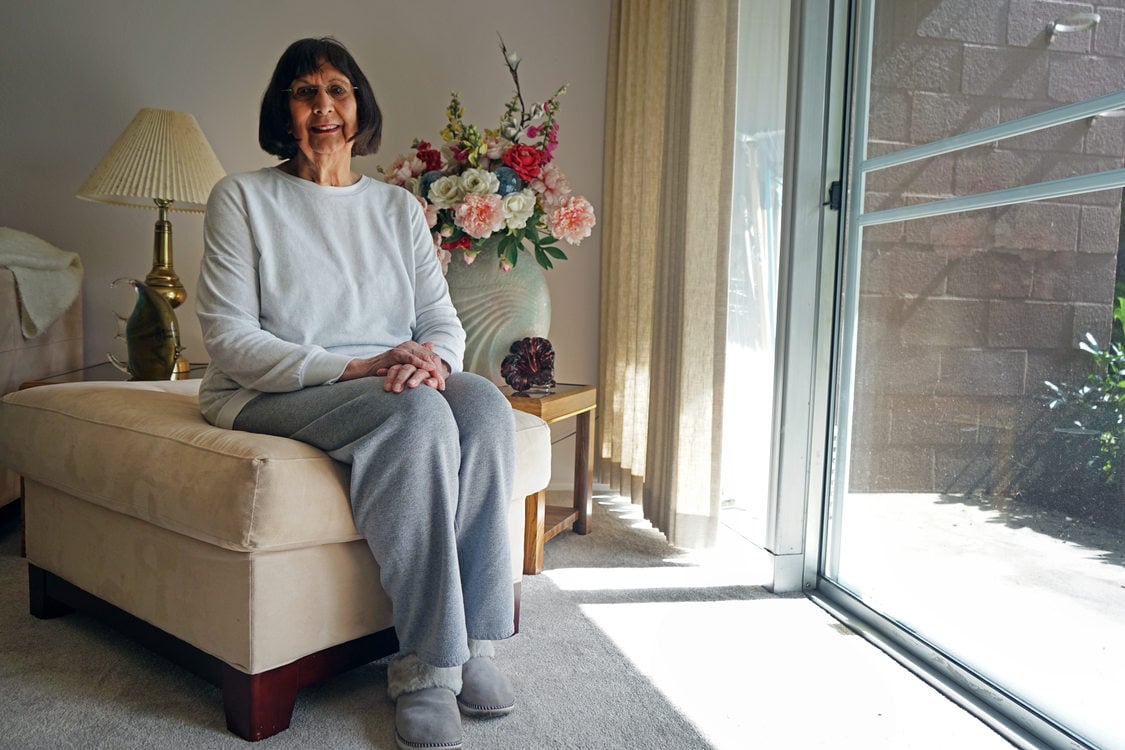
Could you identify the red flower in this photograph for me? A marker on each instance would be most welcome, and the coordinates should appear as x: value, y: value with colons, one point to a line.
x: 429, y: 156
x: 463, y: 242
x: 526, y: 160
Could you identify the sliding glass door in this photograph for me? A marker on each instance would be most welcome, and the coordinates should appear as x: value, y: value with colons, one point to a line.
x: 977, y: 492
x: 755, y: 246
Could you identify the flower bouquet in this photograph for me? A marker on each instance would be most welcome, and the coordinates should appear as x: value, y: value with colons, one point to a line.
x: 497, y: 189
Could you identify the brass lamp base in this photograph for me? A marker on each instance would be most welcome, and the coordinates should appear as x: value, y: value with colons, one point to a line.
x: 162, y: 278
x: 181, y: 370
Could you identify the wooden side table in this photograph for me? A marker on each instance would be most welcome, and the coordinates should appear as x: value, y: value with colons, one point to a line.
x: 542, y: 522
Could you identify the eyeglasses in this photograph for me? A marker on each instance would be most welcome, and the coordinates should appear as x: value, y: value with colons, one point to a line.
x: 337, y: 91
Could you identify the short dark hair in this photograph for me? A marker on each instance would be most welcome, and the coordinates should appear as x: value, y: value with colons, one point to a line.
x: 305, y: 56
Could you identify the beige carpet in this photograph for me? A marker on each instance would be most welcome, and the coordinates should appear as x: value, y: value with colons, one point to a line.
x: 74, y: 683
x: 625, y: 643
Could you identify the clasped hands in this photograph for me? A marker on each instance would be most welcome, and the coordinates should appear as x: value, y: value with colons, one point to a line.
x: 407, y: 365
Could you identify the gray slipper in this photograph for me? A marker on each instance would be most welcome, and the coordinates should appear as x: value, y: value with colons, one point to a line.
x: 428, y: 720
x: 485, y: 692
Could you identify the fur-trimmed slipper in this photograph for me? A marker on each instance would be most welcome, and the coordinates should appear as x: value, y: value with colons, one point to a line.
x: 485, y: 692
x: 428, y: 720
x: 426, y: 713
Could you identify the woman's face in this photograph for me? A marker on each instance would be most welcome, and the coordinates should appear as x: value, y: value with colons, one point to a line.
x: 322, y: 111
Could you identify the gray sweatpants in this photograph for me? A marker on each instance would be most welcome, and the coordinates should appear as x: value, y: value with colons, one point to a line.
x: 431, y: 478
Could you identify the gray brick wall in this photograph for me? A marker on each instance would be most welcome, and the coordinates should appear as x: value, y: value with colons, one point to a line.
x: 962, y: 318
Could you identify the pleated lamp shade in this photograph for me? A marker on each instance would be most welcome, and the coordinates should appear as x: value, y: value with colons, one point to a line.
x: 162, y: 155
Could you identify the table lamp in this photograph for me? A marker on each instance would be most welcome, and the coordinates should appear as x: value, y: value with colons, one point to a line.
x: 161, y: 161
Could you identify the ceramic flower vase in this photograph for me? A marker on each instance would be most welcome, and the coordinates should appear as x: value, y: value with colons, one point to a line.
x: 497, y: 307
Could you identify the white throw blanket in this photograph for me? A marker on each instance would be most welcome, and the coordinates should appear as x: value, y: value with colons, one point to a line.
x: 47, y: 279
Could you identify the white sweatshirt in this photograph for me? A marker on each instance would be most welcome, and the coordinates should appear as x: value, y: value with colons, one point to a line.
x: 298, y: 278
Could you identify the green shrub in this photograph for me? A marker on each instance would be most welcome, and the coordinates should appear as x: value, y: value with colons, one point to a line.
x: 1096, y: 409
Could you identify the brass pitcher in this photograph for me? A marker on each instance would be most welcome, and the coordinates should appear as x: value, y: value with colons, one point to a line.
x: 152, y: 337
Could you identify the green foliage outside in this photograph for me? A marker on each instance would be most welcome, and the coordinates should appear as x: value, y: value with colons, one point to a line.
x: 1093, y: 413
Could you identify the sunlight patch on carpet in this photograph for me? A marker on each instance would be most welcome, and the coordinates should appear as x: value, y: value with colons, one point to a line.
x: 763, y: 672
x: 671, y: 576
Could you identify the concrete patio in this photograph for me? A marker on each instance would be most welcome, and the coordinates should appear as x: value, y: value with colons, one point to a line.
x: 1031, y: 598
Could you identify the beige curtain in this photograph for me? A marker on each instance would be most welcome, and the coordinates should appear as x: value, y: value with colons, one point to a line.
x: 666, y: 213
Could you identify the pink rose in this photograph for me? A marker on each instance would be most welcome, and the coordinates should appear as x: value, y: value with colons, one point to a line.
x: 552, y: 185
x: 480, y: 215
x: 429, y: 209
x: 572, y: 219
x: 401, y: 172
x: 443, y: 256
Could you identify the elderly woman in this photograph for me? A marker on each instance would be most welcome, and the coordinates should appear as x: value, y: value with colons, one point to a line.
x: 327, y: 320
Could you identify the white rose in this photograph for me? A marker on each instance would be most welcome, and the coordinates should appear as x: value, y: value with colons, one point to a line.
x: 518, y: 207
x: 479, y: 181
x: 446, y: 191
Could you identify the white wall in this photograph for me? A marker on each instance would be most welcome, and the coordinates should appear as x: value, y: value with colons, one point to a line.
x: 75, y: 73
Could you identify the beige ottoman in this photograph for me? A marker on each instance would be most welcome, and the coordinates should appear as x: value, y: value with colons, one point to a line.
x: 232, y: 553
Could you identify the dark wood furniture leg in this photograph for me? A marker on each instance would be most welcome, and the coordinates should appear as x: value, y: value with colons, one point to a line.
x: 40, y: 602
x: 10, y: 512
x: 260, y: 705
